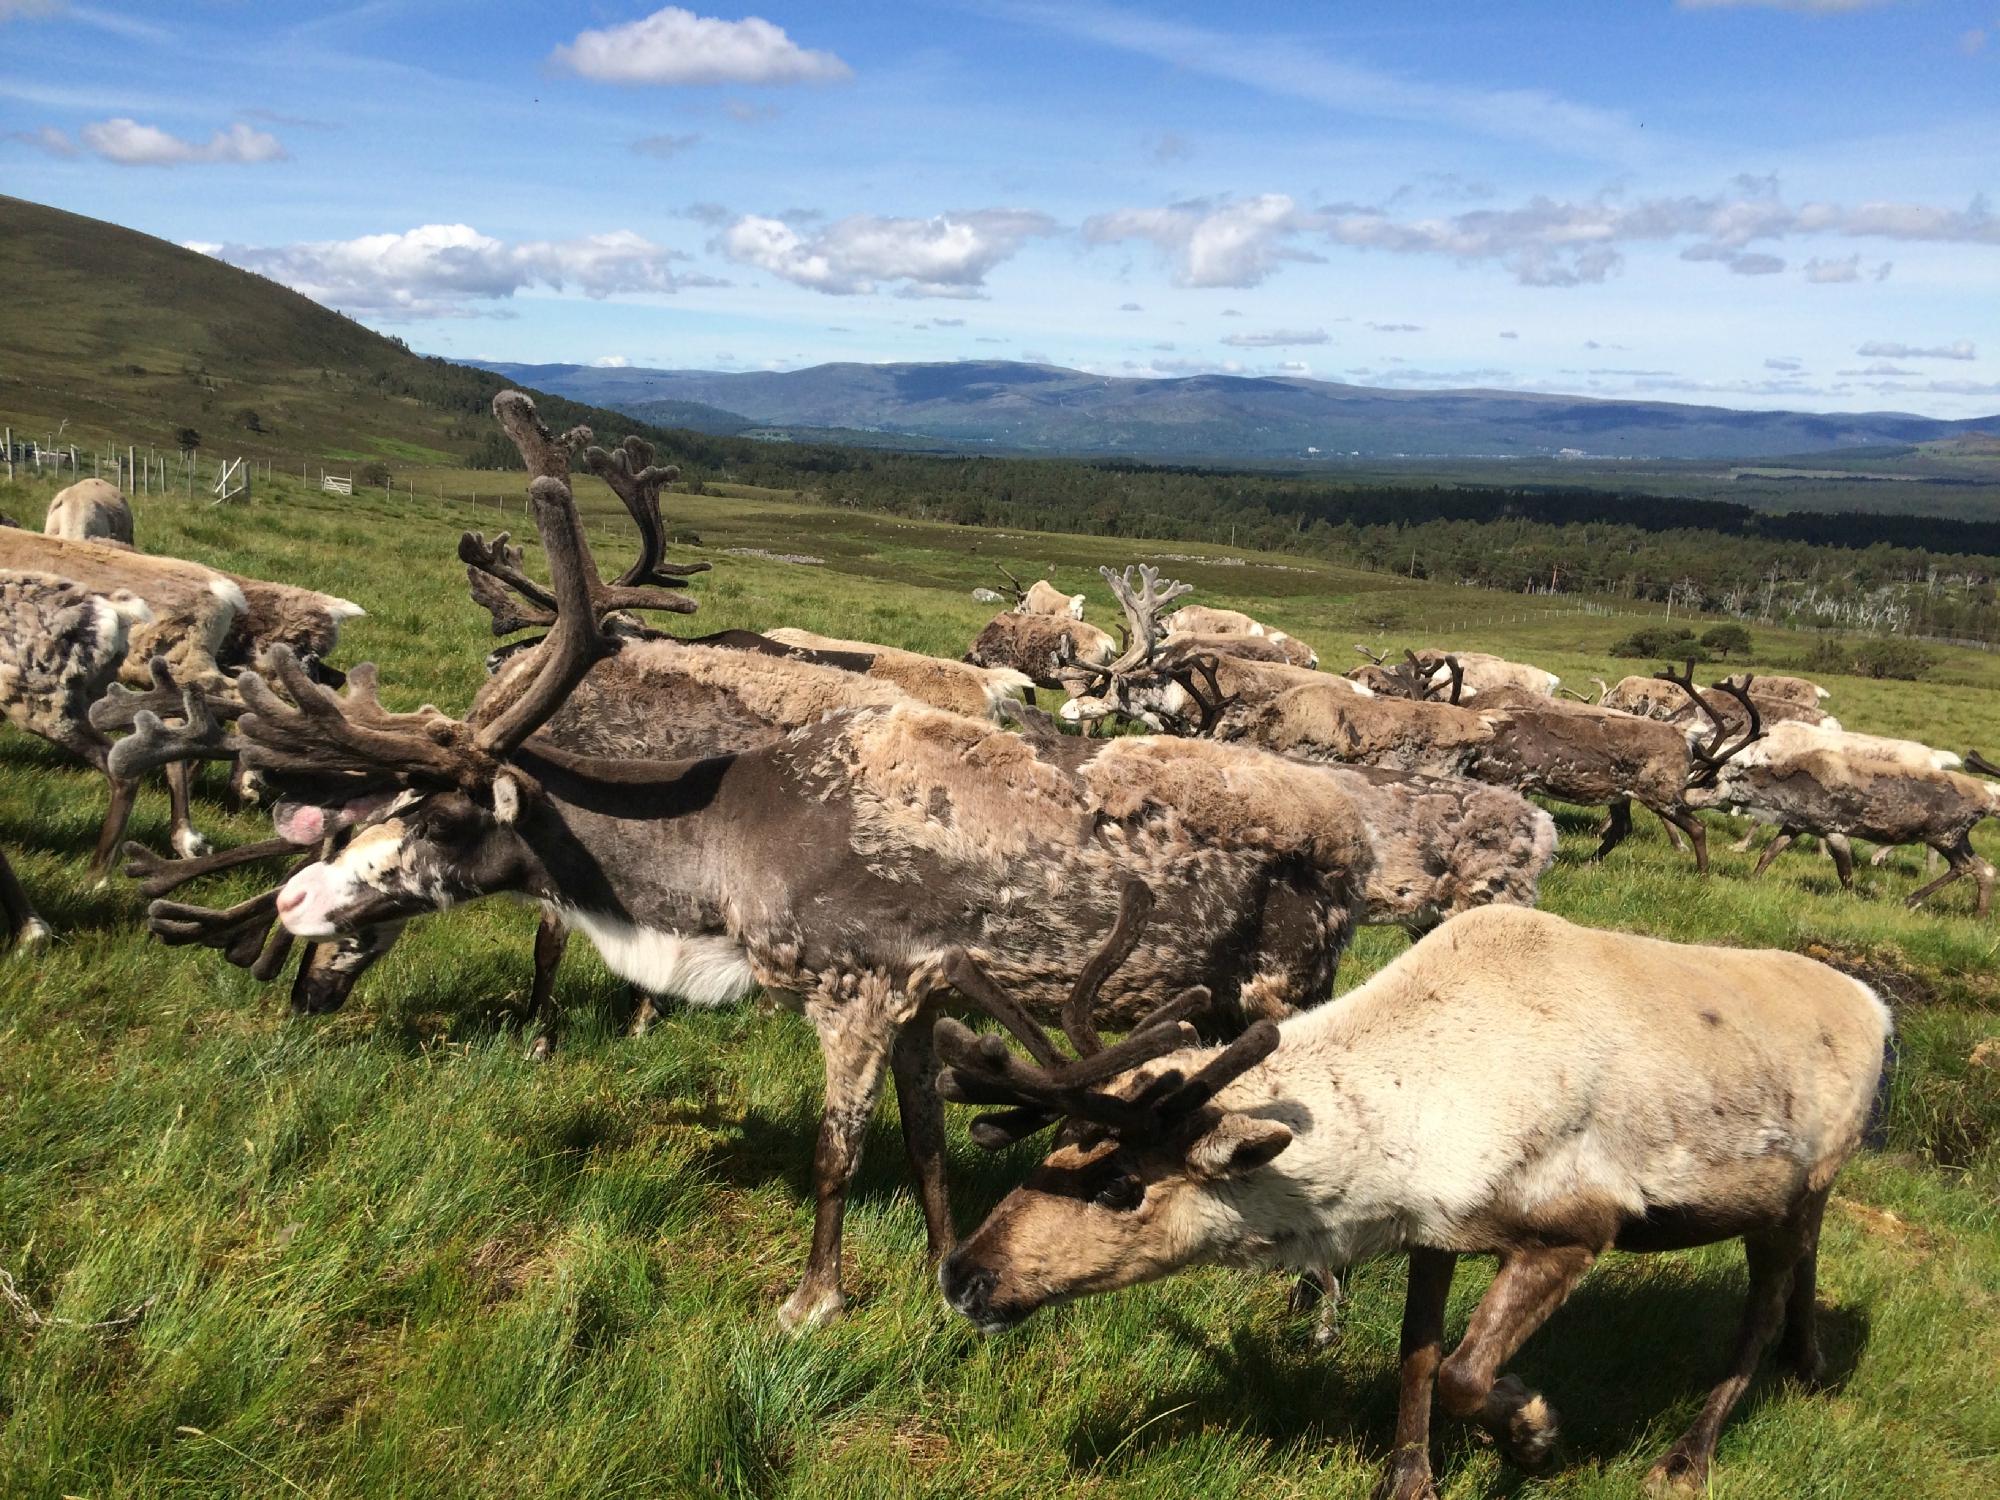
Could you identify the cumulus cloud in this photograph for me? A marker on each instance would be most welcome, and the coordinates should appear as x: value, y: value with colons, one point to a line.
x: 128, y: 143
x: 945, y: 256
x: 664, y: 147
x: 611, y: 362
x: 1829, y: 272
x: 1211, y: 242
x: 1276, y: 338
x: 1886, y: 349
x: 676, y: 47
x: 448, y: 270
x: 1542, y: 242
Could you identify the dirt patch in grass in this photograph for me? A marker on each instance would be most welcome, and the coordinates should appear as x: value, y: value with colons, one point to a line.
x: 1896, y: 984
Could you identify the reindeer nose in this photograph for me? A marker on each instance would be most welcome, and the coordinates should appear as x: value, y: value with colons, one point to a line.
x: 968, y: 1290
x: 290, y: 900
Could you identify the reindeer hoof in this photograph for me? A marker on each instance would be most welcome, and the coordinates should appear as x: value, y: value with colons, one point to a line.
x: 189, y: 845
x: 1679, y: 1472
x: 541, y: 1048
x: 33, y: 937
x: 1408, y: 1477
x: 809, y: 1308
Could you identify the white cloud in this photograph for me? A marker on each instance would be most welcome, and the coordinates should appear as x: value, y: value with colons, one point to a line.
x: 446, y: 270
x: 611, y: 362
x: 1830, y: 272
x: 1276, y: 338
x: 129, y: 144
x: 1542, y: 242
x: 1211, y: 242
x: 664, y: 146
x: 1785, y: 364
x: 1508, y: 333
x: 1397, y: 327
x: 46, y: 138
x: 677, y: 47
x: 1886, y: 349
x: 30, y: 10
x: 945, y: 256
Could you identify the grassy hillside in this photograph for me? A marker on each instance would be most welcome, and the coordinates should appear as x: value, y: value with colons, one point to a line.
x: 127, y: 339
x: 393, y: 1258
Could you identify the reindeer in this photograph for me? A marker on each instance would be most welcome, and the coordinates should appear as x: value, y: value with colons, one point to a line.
x: 957, y: 686
x: 1513, y: 1086
x: 1801, y: 691
x: 1481, y: 673
x: 1841, y: 795
x: 1201, y: 619
x: 1040, y: 646
x: 61, y: 648
x: 836, y: 866
x: 1650, y: 698
x: 1042, y: 598
x: 91, y: 510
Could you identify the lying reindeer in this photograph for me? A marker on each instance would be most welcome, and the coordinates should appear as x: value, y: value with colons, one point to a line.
x: 1513, y: 1086
x: 836, y: 866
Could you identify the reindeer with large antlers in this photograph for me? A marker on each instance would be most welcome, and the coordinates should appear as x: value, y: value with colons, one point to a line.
x: 1513, y: 1086
x: 838, y: 865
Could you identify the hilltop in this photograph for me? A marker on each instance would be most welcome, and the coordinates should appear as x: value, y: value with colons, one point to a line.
x: 128, y: 338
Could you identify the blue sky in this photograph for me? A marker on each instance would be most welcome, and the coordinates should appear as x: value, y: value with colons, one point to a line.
x: 1751, y: 202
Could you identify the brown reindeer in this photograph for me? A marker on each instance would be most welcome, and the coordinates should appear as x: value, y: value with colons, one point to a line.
x: 836, y: 866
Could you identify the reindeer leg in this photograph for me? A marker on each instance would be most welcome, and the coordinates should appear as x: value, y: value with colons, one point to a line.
x: 1409, y: 1473
x: 117, y: 813
x: 1531, y: 1285
x: 645, y: 1011
x: 1775, y: 1256
x: 180, y: 789
x: 1841, y: 852
x: 856, y: 1036
x: 1690, y: 823
x: 915, y: 1066
x: 1742, y: 845
x: 23, y: 926
x: 1786, y: 836
x: 1616, y: 827
x: 551, y: 940
x: 1673, y: 832
x: 1319, y: 1288
x: 1798, y: 1345
x: 1958, y: 864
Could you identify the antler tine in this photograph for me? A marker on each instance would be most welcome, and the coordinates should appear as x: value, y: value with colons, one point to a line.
x: 1974, y: 761
x: 546, y: 456
x: 200, y: 736
x: 121, y: 706
x: 493, y: 571
x: 636, y: 480
x: 1711, y: 758
x: 1208, y: 667
x: 320, y: 731
x: 239, y: 931
x: 1457, y: 679
x: 977, y: 986
x: 1224, y: 1068
x: 1142, y: 611
x: 1376, y: 657
x: 1014, y: 586
x: 158, y: 875
x: 1135, y: 905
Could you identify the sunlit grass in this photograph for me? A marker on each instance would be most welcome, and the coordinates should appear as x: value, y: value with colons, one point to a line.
x: 392, y: 1257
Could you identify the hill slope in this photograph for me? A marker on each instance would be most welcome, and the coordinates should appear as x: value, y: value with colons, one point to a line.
x: 1041, y: 408
x: 127, y: 338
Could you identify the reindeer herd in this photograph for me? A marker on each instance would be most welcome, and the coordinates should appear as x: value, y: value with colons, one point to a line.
x: 892, y: 841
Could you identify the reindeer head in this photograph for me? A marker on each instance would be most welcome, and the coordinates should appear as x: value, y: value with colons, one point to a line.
x: 1136, y: 684
x: 451, y: 827
x: 1146, y: 1171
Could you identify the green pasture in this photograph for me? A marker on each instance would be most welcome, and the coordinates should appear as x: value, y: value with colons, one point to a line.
x: 386, y: 1255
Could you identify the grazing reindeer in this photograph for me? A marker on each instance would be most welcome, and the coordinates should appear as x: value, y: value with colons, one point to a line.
x: 1513, y: 1086
x: 1202, y: 619
x: 1042, y: 598
x: 1040, y: 646
x: 957, y: 686
x: 837, y: 865
x: 61, y: 648
x: 91, y: 510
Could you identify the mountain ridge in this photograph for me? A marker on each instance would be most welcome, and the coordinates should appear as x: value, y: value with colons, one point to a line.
x: 1021, y: 407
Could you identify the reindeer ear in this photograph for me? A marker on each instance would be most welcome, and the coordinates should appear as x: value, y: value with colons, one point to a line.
x: 1237, y: 1145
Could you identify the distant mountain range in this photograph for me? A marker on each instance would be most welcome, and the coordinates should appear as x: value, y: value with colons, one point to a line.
x: 998, y: 405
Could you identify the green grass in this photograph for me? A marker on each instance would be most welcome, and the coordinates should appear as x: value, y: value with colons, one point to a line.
x: 391, y: 1257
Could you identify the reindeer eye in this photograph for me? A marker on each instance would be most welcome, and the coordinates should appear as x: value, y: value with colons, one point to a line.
x: 1121, y: 1194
